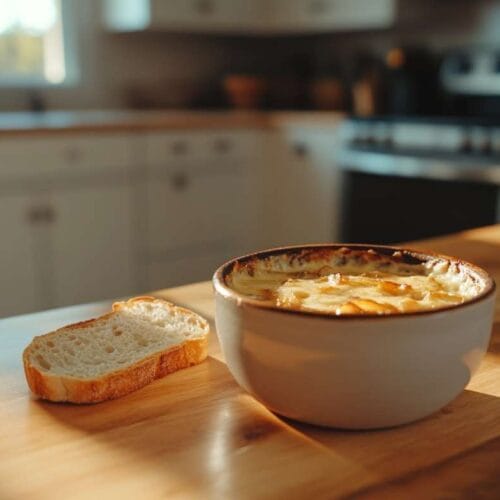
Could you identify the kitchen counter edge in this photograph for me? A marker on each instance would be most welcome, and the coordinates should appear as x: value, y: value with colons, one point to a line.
x: 26, y: 123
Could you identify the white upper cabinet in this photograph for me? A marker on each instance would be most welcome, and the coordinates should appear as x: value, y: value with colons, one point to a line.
x: 298, y: 16
x: 265, y: 17
x: 180, y: 15
x: 201, y: 15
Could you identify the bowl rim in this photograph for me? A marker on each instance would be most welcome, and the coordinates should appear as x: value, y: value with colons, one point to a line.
x: 220, y: 287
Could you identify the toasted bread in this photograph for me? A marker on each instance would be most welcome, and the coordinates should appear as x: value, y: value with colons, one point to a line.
x: 141, y: 340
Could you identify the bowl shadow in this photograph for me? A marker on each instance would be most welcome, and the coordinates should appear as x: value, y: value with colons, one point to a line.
x: 198, y: 431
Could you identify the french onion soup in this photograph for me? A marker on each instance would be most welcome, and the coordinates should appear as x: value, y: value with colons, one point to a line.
x: 348, y: 281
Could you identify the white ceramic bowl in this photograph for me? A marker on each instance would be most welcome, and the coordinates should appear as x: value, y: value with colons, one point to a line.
x: 352, y: 372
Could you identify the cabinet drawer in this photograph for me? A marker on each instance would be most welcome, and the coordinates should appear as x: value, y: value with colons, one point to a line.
x: 37, y: 157
x: 199, y: 147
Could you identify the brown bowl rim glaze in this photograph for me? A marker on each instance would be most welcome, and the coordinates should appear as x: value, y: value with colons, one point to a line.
x: 411, y: 255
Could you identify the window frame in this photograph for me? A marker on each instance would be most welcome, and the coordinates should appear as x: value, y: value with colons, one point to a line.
x: 71, y: 60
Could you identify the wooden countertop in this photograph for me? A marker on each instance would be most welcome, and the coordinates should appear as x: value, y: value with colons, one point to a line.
x: 23, y: 124
x: 196, y: 434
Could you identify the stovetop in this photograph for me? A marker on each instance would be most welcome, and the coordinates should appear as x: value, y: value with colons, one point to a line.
x: 432, y: 135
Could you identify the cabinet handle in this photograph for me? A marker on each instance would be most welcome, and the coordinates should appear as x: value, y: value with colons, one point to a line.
x: 179, y: 181
x: 300, y: 150
x: 34, y: 215
x: 179, y: 148
x: 50, y: 214
x: 205, y: 7
x: 222, y: 146
x: 73, y: 154
x: 41, y: 214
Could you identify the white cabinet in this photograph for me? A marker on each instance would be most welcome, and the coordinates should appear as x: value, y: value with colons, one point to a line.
x: 183, y: 15
x: 331, y: 15
x: 65, y: 247
x: 110, y: 215
x: 66, y: 220
x: 191, y: 206
x: 199, y: 189
x: 92, y: 244
x: 304, y: 186
x: 266, y: 17
x: 51, y: 158
x: 204, y: 15
x: 19, y: 290
x: 201, y: 202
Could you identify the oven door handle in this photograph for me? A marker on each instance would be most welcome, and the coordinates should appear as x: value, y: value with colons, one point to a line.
x: 427, y: 168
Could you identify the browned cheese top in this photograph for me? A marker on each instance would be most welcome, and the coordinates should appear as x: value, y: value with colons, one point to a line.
x: 345, y: 282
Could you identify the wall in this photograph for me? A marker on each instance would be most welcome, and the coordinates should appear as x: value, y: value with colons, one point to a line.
x: 110, y: 63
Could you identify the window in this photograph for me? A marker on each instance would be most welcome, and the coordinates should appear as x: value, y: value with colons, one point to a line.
x: 32, y: 48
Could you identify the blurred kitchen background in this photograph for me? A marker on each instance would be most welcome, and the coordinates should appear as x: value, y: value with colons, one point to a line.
x: 144, y: 142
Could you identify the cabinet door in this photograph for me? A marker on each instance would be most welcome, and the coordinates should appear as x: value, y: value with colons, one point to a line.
x: 307, y: 213
x: 204, y: 15
x: 199, y: 190
x: 73, y: 156
x: 302, y: 194
x: 92, y: 245
x: 19, y: 251
x: 331, y: 15
x: 248, y: 16
x: 350, y: 14
x: 190, y: 207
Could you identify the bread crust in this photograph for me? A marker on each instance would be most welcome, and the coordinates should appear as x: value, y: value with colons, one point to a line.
x: 59, y: 388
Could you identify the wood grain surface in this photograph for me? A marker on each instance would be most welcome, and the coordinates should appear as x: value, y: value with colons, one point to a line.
x: 196, y: 434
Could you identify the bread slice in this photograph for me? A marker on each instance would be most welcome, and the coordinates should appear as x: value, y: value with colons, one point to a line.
x: 141, y: 340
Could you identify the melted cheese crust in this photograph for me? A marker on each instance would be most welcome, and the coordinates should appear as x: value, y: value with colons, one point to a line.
x: 353, y: 282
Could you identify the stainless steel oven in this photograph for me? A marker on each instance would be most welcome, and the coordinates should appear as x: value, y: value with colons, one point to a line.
x: 406, y: 179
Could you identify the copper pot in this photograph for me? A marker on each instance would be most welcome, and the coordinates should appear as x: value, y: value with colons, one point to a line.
x: 245, y: 91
